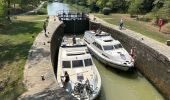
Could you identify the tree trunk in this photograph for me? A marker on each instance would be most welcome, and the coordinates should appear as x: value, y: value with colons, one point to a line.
x: 14, y: 5
x: 14, y: 9
x: 8, y: 11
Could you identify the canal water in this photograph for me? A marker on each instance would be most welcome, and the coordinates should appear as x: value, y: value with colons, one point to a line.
x: 55, y: 7
x: 117, y: 85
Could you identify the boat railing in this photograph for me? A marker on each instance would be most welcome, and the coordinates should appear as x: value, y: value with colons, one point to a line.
x: 72, y: 15
x: 70, y: 46
x: 72, y: 42
x: 80, y: 87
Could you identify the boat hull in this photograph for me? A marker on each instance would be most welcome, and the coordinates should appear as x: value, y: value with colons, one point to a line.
x: 89, y: 72
x: 106, y: 62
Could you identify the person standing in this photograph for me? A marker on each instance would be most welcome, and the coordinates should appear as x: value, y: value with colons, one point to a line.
x: 160, y: 22
x: 121, y: 24
x: 65, y: 79
x: 44, y: 27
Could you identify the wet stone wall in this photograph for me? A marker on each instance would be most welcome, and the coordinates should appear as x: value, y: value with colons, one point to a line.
x: 55, y: 44
x: 153, y: 64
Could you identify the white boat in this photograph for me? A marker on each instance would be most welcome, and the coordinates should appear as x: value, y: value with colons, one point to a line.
x: 75, y: 59
x: 108, y: 50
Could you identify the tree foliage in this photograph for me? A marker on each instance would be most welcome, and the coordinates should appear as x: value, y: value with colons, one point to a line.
x: 158, y: 4
x: 120, y: 5
x: 1, y: 9
x: 164, y: 11
x: 7, y: 6
x: 135, y: 7
x: 147, y: 6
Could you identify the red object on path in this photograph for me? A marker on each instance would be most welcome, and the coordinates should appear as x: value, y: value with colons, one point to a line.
x: 160, y: 22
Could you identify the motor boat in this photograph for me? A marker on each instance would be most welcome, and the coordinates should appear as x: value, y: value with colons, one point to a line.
x: 108, y: 50
x: 76, y: 71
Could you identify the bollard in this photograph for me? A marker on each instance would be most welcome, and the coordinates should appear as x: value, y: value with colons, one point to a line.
x: 168, y: 71
x: 46, y: 35
x: 168, y: 42
x: 48, y: 42
x: 42, y: 77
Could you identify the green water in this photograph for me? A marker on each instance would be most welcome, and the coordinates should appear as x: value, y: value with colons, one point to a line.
x: 118, y: 85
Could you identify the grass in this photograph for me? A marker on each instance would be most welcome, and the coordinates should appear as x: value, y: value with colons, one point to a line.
x: 141, y: 27
x: 15, y: 41
x: 31, y: 18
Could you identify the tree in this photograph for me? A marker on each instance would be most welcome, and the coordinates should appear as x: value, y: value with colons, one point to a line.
x: 92, y: 4
x: 120, y: 5
x: 1, y: 9
x: 109, y: 4
x: 135, y: 6
x: 158, y: 4
x: 147, y: 6
x: 164, y: 12
x: 101, y: 3
x: 82, y: 2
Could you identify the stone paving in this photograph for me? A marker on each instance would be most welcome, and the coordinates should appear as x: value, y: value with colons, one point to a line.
x: 38, y: 64
x: 160, y: 47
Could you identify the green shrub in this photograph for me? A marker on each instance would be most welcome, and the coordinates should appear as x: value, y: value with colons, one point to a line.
x: 42, y: 11
x: 45, y: 5
x: 146, y: 18
x: 106, y: 10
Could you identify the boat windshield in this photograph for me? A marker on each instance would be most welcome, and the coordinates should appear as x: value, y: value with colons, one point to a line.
x: 88, y: 62
x: 117, y: 46
x: 66, y: 64
x: 108, y: 47
x: 77, y: 63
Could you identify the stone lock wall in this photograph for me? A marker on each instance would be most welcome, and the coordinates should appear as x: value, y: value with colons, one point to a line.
x: 75, y: 26
x: 55, y: 44
x: 151, y: 62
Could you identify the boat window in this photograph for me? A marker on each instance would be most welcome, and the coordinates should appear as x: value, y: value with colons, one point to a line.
x: 77, y: 63
x: 108, y: 40
x: 66, y: 64
x: 117, y: 46
x: 75, y: 54
x: 88, y: 62
x: 97, y: 45
x: 108, y: 47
